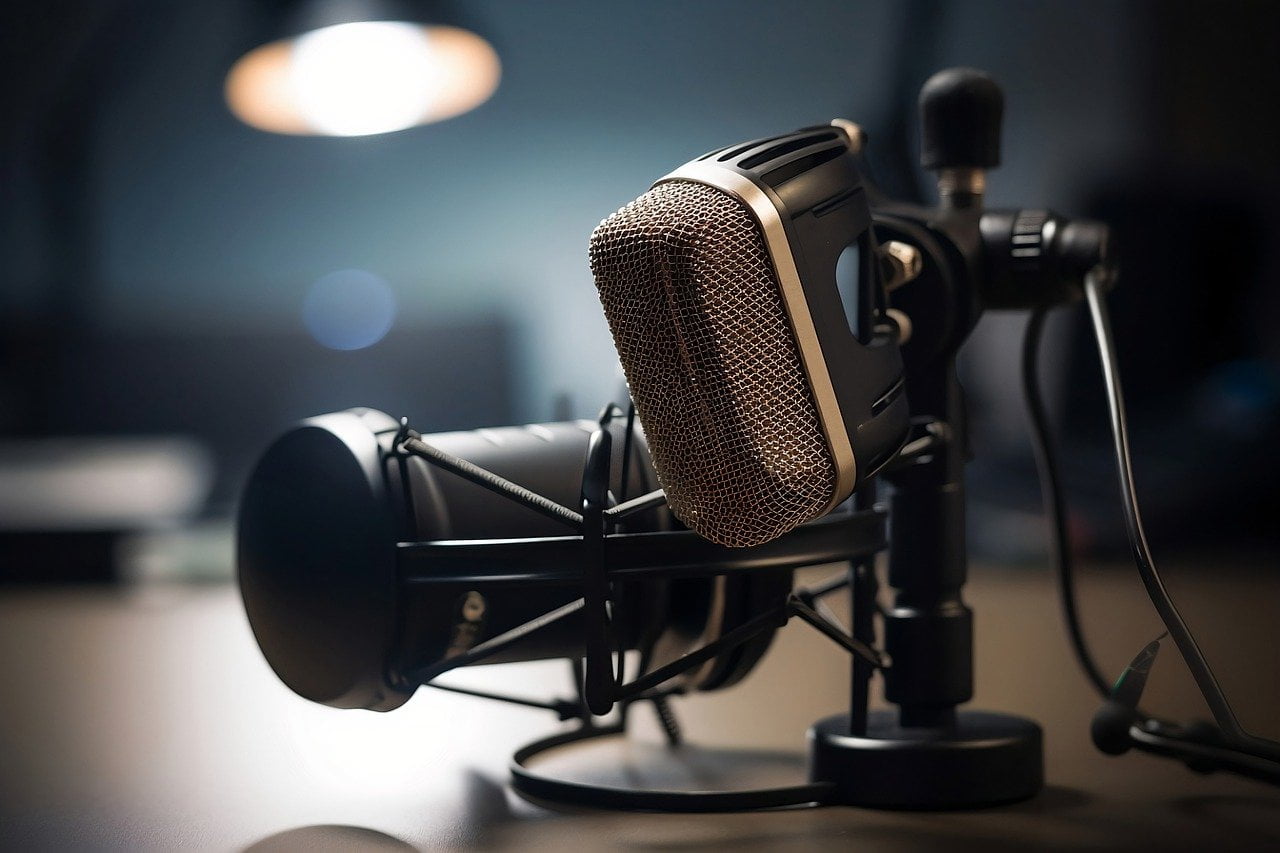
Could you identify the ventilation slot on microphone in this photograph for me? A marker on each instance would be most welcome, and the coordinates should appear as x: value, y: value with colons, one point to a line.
x: 786, y: 148
x: 738, y: 150
x: 800, y: 165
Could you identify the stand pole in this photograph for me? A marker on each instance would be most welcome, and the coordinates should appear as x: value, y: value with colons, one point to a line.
x: 929, y: 629
x: 926, y: 755
x: 863, y: 587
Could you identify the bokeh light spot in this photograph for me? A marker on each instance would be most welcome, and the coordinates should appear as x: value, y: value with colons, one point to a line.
x: 349, y: 309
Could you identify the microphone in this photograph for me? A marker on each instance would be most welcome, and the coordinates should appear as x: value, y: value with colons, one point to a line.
x: 763, y: 408
x: 769, y: 392
x: 363, y: 568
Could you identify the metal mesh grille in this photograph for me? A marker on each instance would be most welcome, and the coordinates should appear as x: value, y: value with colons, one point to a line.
x: 692, y: 300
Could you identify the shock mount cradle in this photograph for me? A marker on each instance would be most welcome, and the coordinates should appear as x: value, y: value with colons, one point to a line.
x: 844, y: 749
x: 926, y: 754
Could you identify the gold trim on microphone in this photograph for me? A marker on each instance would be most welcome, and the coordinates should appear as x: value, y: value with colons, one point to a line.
x: 766, y: 214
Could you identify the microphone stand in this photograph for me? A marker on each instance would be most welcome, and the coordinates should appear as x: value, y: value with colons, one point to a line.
x: 928, y: 754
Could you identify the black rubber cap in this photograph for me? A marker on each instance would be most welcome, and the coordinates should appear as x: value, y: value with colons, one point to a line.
x: 317, y: 561
x: 1109, y: 728
x: 960, y: 114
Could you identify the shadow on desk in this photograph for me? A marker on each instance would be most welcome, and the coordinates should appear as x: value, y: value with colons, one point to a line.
x: 1059, y: 819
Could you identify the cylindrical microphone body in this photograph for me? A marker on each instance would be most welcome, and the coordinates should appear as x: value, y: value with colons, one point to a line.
x: 345, y: 614
x: 765, y: 397
x: 442, y: 619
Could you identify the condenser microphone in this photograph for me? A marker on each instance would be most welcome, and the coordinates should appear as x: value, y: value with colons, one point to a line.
x: 365, y: 570
x: 764, y: 408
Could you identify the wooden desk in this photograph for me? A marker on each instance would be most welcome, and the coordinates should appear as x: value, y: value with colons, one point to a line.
x: 147, y: 719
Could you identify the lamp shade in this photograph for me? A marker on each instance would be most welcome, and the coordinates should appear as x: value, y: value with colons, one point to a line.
x: 359, y: 68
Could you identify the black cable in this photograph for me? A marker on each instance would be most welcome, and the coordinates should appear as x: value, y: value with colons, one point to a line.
x: 1207, y: 756
x: 1178, y: 630
x: 1054, y: 502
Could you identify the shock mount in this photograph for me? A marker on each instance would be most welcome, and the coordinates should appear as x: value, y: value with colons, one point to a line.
x: 942, y: 267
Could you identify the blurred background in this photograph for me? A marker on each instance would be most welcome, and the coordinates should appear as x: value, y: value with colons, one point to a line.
x: 177, y: 286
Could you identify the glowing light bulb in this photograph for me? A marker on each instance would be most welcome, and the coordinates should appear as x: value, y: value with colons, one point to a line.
x: 362, y: 78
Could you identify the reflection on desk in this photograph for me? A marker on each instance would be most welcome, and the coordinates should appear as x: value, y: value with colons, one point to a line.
x: 146, y: 719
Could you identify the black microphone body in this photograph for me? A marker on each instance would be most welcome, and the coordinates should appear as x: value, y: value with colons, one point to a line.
x: 346, y: 609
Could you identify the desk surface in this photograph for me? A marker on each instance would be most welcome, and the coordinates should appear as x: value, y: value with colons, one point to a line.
x: 146, y: 719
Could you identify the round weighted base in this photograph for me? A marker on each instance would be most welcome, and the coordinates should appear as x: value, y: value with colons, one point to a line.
x: 986, y: 759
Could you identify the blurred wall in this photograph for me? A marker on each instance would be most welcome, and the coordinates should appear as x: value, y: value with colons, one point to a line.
x: 201, y: 224
x: 179, y: 223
